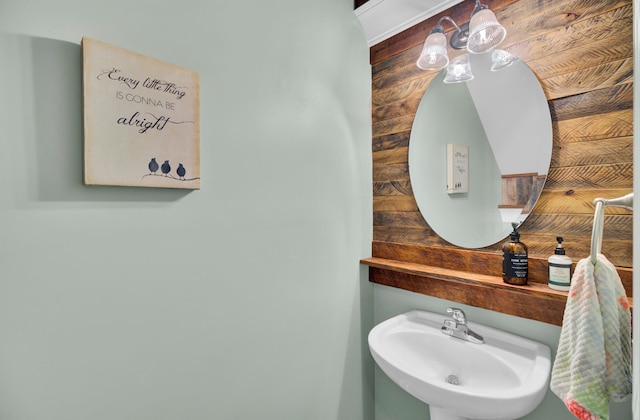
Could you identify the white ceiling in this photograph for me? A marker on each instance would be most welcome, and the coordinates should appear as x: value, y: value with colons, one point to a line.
x: 383, y: 19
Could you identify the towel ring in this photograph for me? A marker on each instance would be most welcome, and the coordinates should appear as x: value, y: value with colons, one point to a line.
x: 598, y: 220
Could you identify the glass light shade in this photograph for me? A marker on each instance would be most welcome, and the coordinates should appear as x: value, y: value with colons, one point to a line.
x: 501, y: 59
x: 459, y: 70
x: 485, y: 32
x: 434, y: 53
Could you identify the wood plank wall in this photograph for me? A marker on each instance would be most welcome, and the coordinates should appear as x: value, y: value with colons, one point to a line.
x: 582, y: 53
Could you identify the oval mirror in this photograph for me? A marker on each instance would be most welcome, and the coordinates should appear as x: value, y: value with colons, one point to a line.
x: 479, y: 152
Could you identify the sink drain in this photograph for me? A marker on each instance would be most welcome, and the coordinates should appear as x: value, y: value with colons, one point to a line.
x: 453, y: 380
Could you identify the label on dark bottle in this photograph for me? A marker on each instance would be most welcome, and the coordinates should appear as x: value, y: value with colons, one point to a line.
x: 515, y: 265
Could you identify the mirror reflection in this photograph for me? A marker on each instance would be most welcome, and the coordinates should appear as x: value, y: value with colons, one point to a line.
x: 479, y: 152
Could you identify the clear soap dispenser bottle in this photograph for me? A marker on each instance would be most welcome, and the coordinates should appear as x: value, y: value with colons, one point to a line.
x: 515, y: 260
x: 559, y: 268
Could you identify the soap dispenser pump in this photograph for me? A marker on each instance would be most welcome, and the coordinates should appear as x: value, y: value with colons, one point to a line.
x: 560, y: 268
x: 515, y: 259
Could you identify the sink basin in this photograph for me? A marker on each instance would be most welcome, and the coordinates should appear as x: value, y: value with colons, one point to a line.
x: 502, y: 379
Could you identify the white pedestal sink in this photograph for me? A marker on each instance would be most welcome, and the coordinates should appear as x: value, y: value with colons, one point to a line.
x: 503, y: 379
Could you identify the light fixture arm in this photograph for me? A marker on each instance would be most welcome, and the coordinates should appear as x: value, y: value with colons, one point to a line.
x: 447, y: 18
x: 458, y: 39
x: 479, y: 6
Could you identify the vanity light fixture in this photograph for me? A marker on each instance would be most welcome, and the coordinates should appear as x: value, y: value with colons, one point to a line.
x: 434, y: 52
x: 482, y: 34
x: 459, y: 70
x: 485, y: 32
x: 501, y: 59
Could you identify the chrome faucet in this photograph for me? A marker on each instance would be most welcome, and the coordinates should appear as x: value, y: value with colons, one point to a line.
x: 457, y: 327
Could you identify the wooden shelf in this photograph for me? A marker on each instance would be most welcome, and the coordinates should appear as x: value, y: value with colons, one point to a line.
x: 534, y: 301
x: 468, y: 276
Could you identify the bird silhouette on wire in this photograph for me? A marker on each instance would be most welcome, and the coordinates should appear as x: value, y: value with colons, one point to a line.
x: 166, y: 168
x: 153, y: 165
x: 181, y: 170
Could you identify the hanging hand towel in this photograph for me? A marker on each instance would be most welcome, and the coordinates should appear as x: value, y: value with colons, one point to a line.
x: 593, y: 363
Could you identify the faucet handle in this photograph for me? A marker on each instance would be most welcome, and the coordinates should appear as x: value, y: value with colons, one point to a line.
x: 458, y: 315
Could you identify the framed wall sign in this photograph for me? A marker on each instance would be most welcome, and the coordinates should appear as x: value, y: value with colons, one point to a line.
x: 457, y: 168
x: 141, y: 120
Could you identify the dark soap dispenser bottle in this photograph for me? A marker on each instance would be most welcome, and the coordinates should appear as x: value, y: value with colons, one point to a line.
x: 515, y: 260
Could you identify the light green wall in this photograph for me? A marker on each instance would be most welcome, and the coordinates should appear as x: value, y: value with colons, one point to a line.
x: 393, y: 403
x: 243, y: 300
